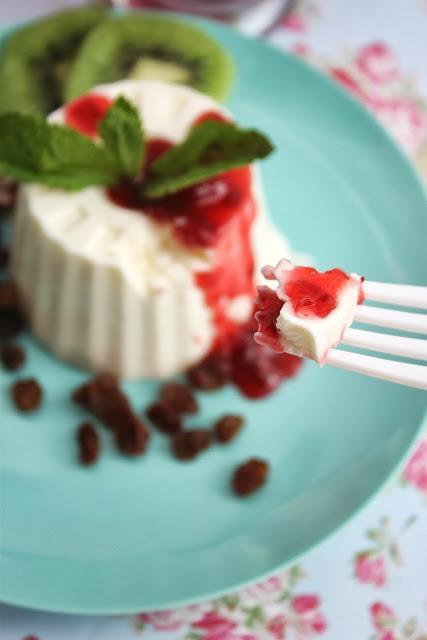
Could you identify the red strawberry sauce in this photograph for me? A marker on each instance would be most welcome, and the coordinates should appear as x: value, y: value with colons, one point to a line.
x: 85, y: 113
x: 216, y: 214
x: 314, y: 294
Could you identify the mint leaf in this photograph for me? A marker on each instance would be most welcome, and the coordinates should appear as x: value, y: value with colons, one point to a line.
x: 33, y: 150
x: 121, y: 131
x: 212, y: 147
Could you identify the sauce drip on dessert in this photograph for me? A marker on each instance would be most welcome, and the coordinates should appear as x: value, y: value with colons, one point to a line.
x: 253, y: 369
x: 211, y: 214
x: 268, y: 307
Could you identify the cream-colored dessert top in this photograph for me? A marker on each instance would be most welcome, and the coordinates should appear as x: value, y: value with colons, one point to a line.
x: 89, y: 224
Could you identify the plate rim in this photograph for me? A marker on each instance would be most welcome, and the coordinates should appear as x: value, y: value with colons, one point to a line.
x: 183, y: 602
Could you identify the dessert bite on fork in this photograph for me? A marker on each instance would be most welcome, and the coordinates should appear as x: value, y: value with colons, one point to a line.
x: 310, y: 313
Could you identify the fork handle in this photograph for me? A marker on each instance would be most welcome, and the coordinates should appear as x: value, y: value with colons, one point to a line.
x: 414, y: 348
x: 381, y: 317
x: 411, y: 375
x: 404, y: 295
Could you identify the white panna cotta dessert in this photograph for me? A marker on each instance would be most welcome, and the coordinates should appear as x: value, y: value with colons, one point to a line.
x: 142, y: 291
x: 308, y: 312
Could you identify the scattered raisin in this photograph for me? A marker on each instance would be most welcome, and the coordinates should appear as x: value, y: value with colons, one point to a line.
x: 27, y: 395
x: 9, y: 296
x: 103, y: 397
x: 11, y: 319
x: 12, y: 323
x: 132, y: 437
x: 208, y: 375
x: 227, y: 428
x: 88, y: 443
x: 164, y: 417
x: 188, y: 444
x: 81, y: 396
x: 12, y: 357
x: 180, y: 397
x: 250, y: 476
x: 4, y: 257
x: 8, y: 188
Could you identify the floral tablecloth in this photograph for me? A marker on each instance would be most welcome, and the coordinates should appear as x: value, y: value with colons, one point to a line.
x: 369, y: 582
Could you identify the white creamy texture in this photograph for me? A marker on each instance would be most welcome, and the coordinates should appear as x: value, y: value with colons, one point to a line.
x: 109, y: 288
x: 313, y: 337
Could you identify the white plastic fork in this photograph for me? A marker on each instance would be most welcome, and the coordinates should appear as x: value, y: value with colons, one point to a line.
x: 409, y: 374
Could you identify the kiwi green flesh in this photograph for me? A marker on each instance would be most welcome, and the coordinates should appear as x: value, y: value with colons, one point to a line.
x: 35, y: 61
x: 157, y: 64
x: 51, y: 70
x: 154, y: 48
x: 149, y: 68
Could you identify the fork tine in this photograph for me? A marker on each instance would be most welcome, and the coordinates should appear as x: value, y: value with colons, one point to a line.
x: 413, y: 348
x: 404, y: 295
x: 411, y: 375
x: 402, y: 320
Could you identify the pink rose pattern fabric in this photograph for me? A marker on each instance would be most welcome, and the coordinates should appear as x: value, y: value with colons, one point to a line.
x: 373, y: 75
x: 415, y: 472
x: 277, y: 608
x: 387, y: 625
x: 374, y: 564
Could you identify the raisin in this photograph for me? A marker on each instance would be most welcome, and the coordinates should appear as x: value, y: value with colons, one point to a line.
x: 180, y: 397
x: 81, y: 396
x: 165, y: 418
x: 12, y: 357
x: 88, y: 443
x: 27, y: 395
x: 250, y: 476
x: 9, y: 296
x: 103, y: 397
x: 4, y: 257
x: 188, y: 444
x: 132, y: 437
x: 227, y: 428
x: 8, y: 188
x: 12, y: 323
x: 11, y: 319
x: 208, y: 375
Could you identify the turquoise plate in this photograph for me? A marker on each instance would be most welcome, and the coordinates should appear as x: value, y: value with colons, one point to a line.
x: 152, y: 532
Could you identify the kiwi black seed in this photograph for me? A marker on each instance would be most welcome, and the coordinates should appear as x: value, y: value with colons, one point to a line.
x: 148, y: 47
x: 35, y: 61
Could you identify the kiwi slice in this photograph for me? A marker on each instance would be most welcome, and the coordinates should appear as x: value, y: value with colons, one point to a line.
x: 35, y: 61
x: 148, y: 47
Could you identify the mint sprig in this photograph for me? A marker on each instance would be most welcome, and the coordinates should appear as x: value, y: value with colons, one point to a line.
x: 211, y: 148
x: 34, y: 150
x: 123, y: 135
